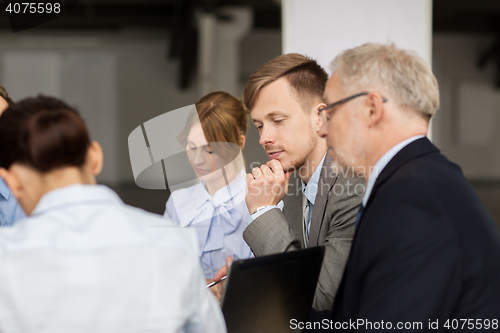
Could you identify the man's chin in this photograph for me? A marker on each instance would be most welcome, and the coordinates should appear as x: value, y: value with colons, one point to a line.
x: 284, y: 164
x: 290, y: 167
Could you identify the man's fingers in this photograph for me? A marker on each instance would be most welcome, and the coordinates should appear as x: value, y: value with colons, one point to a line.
x: 276, y: 166
x: 266, y: 170
x: 249, y: 178
x: 229, y: 259
x: 256, y: 173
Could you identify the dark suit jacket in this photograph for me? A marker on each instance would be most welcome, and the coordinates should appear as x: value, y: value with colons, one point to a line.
x: 332, y: 225
x: 425, y: 247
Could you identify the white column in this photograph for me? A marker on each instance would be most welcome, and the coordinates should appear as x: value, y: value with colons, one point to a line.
x: 219, y: 57
x: 207, y: 23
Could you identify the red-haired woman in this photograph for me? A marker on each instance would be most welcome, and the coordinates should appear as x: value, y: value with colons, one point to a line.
x: 213, y: 138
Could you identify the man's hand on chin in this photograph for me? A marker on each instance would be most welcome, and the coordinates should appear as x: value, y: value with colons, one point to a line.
x: 266, y: 186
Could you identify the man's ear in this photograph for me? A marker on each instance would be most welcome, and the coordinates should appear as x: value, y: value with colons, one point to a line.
x: 375, y: 105
x: 317, y: 118
x: 95, y: 157
x: 12, y: 181
x: 242, y: 141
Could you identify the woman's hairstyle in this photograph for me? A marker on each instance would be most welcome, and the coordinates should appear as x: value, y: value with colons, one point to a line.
x: 43, y: 133
x: 223, y: 118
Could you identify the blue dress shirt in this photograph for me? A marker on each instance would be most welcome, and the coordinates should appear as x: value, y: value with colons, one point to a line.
x: 382, y: 162
x: 310, y: 190
x: 219, y: 221
x: 379, y: 166
x: 10, y: 211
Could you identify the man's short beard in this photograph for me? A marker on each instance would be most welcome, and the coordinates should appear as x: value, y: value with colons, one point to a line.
x: 295, y: 165
x: 298, y: 163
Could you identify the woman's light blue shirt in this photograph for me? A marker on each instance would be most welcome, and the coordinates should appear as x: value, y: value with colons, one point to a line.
x: 10, y: 211
x: 219, y: 221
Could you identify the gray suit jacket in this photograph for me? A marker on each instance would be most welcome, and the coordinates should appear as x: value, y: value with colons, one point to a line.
x: 332, y: 225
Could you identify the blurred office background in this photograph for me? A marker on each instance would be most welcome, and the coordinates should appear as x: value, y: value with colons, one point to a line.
x: 123, y: 62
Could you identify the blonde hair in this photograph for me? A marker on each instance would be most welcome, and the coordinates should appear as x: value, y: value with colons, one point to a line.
x: 223, y: 118
x: 403, y: 74
x: 304, y: 74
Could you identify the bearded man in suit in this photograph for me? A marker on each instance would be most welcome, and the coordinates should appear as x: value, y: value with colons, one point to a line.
x: 284, y: 97
x: 425, y: 250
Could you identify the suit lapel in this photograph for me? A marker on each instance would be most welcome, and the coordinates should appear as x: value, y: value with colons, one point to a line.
x: 325, y: 184
x: 414, y: 150
x: 293, y: 206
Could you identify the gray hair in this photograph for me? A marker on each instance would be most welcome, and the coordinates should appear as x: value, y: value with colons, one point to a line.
x: 403, y: 74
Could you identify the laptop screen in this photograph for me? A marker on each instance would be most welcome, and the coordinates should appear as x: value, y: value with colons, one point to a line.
x: 264, y: 294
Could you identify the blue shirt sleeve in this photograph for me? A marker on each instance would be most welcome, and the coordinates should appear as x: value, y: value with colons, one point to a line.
x: 10, y: 211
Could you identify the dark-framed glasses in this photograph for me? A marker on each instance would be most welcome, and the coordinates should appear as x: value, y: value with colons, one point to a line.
x: 325, y: 115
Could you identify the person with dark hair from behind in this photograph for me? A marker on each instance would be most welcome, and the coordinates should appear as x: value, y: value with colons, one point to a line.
x: 10, y: 211
x: 84, y: 261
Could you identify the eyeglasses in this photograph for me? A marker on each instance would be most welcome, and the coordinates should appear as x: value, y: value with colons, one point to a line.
x: 325, y: 116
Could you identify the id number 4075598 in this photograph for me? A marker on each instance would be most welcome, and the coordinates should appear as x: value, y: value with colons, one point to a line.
x: 33, y: 8
x: 471, y: 324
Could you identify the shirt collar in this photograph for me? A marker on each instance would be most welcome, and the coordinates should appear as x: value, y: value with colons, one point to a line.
x: 225, y: 193
x: 4, y: 189
x: 382, y: 162
x: 311, y: 188
x: 75, y: 194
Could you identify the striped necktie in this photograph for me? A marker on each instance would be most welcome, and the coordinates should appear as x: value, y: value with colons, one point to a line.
x: 358, y: 216
x: 305, y: 219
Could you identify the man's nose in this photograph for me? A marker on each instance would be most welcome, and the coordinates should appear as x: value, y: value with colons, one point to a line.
x: 266, y: 136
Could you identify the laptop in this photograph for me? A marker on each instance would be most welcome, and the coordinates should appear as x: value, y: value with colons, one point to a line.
x: 264, y: 294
